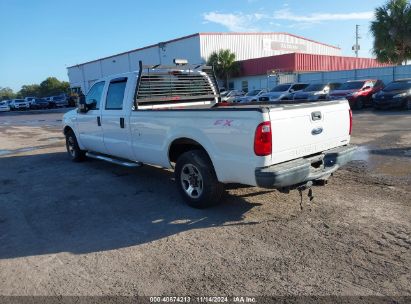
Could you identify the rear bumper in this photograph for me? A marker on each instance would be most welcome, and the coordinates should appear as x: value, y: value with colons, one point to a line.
x: 302, y: 170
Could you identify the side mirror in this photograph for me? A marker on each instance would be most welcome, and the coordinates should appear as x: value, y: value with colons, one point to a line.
x: 291, y: 90
x: 82, y: 106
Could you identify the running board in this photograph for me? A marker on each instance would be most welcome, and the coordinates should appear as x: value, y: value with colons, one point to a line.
x: 116, y: 161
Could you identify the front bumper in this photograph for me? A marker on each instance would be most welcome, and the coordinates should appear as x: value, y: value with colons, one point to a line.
x: 302, y: 170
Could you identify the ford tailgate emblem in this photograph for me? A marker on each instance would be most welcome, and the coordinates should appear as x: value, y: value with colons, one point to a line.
x: 316, y: 131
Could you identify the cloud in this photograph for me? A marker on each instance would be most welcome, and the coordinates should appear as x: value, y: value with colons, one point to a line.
x: 235, y: 22
x: 286, y: 14
x: 240, y: 22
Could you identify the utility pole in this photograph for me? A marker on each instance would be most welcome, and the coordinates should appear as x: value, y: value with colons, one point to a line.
x: 356, y: 47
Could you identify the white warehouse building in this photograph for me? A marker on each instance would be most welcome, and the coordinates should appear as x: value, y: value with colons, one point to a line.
x: 196, y: 49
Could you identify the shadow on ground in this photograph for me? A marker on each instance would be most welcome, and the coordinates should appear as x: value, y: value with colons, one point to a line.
x: 49, y: 204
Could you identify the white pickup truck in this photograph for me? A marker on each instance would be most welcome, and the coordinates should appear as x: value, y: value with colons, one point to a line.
x: 172, y: 117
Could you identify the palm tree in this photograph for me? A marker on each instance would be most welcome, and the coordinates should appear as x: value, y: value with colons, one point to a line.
x: 392, y: 32
x: 224, y: 64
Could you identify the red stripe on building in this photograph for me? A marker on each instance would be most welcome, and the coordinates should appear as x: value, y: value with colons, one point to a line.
x: 298, y: 62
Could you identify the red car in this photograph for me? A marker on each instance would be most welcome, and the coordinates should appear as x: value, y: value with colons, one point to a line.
x: 358, y: 92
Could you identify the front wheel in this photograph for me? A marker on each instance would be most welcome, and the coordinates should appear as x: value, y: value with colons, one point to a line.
x: 197, y: 181
x: 73, y: 148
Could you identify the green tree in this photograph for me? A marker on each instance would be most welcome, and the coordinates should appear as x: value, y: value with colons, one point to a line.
x: 392, y: 32
x: 29, y: 90
x: 53, y: 86
x: 6, y: 93
x: 224, y: 65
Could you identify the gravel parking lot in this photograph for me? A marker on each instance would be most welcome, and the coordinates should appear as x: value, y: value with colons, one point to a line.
x: 94, y: 228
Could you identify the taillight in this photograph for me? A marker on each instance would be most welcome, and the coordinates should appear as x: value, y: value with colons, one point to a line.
x: 350, y: 113
x: 263, y: 139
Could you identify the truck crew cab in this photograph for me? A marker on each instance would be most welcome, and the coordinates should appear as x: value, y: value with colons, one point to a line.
x: 170, y: 116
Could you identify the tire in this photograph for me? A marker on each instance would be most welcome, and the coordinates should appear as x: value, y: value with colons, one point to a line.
x: 359, y: 104
x: 407, y: 105
x: 194, y: 170
x: 73, y: 149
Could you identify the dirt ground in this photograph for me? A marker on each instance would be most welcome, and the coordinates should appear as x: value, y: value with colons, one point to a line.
x: 94, y: 228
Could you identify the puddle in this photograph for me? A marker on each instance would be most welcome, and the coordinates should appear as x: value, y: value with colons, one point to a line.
x: 5, y: 152
x: 27, y: 149
x: 391, y: 161
x: 362, y: 153
x: 52, y: 139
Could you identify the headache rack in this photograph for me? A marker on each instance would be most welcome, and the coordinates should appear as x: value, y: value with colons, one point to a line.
x: 160, y: 86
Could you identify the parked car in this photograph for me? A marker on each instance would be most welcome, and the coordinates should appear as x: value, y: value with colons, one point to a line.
x: 277, y: 146
x: 40, y: 103
x: 60, y: 101
x: 316, y: 91
x: 396, y: 94
x: 19, y: 104
x: 250, y: 96
x: 283, y: 92
x: 231, y: 95
x: 30, y: 100
x: 357, y: 92
x: 57, y: 101
x: 49, y: 99
x: 4, y: 106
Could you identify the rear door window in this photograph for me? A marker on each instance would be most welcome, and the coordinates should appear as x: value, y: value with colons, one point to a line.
x: 115, y: 94
x: 298, y: 87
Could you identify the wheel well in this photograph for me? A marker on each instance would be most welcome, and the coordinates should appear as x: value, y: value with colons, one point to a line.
x: 67, y: 129
x: 182, y: 145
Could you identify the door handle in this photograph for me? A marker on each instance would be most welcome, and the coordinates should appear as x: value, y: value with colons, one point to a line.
x: 99, y: 121
x: 122, y: 122
x: 316, y: 115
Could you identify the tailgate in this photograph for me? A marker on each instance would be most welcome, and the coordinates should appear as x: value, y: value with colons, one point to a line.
x: 303, y: 129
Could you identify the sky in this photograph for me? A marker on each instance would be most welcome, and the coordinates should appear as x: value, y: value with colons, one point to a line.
x: 41, y: 38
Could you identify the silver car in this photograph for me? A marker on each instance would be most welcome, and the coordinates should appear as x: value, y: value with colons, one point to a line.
x: 316, y: 91
x: 231, y: 95
x: 283, y: 91
x: 4, y: 106
x: 251, y: 96
x: 19, y: 104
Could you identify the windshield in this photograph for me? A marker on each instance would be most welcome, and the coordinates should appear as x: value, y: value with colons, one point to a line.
x: 397, y: 86
x: 2, y: 103
x: 19, y: 100
x: 314, y: 87
x: 352, y: 85
x: 280, y: 88
x: 252, y: 93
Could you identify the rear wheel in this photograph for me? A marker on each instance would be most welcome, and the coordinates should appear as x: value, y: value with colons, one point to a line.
x: 359, y: 104
x: 73, y: 148
x: 196, y: 180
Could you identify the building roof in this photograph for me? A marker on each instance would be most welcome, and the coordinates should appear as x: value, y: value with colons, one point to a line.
x: 204, y: 34
x: 301, y: 62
